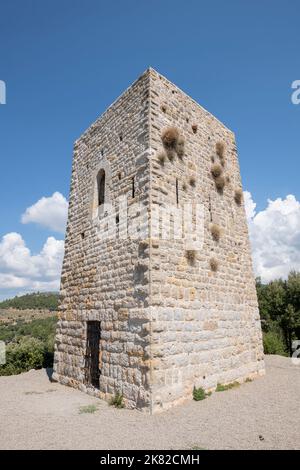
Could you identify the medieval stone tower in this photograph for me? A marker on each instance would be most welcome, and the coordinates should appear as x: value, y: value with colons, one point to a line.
x: 148, y: 316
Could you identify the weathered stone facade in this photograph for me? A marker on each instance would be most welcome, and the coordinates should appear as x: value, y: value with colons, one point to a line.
x: 170, y: 318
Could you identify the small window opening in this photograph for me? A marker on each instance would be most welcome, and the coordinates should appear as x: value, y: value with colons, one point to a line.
x: 101, y: 187
x: 117, y: 219
x: 121, y: 137
x: 102, y: 152
x: 119, y: 176
x: 132, y: 187
x: 177, y: 192
x: 82, y: 235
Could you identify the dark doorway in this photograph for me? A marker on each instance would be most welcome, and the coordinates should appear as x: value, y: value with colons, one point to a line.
x: 92, y: 362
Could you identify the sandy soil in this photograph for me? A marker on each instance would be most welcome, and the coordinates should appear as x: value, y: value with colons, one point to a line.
x: 263, y: 414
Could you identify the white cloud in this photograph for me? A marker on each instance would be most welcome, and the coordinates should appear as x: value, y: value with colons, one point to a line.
x: 275, y: 236
x: 19, y: 269
x: 250, y: 205
x: 50, y: 212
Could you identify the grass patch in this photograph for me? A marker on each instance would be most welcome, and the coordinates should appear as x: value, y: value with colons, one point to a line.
x: 223, y: 388
x: 89, y: 409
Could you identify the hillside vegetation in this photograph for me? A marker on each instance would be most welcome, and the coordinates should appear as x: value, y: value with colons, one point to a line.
x: 29, y: 345
x: 37, y: 300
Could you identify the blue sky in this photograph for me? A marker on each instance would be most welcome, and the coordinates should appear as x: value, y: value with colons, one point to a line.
x: 65, y: 61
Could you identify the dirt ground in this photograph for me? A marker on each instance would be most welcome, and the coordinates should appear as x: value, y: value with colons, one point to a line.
x: 263, y: 414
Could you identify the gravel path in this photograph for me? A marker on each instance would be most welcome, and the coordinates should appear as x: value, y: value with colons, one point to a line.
x: 263, y: 414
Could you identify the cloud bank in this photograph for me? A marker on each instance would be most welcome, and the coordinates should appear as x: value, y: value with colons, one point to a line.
x: 275, y: 236
x: 50, y: 212
x: 19, y: 269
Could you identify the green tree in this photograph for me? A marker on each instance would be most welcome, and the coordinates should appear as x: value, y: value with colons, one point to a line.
x: 279, y: 306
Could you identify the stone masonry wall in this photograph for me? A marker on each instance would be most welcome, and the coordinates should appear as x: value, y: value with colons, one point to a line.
x: 206, y: 325
x: 168, y: 321
x: 107, y: 280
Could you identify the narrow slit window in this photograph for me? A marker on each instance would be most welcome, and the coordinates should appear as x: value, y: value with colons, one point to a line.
x: 101, y: 187
x: 209, y: 209
x: 132, y: 187
x: 177, y: 193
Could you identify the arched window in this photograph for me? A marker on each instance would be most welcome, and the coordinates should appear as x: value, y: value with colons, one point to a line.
x: 101, y: 187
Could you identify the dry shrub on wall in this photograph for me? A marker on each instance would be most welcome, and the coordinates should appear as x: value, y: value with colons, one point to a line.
x: 220, y: 183
x: 220, y: 149
x: 214, y: 264
x: 170, y: 137
x: 192, y: 181
x: 191, y: 255
x: 161, y: 158
x: 238, y: 196
x: 216, y: 170
x: 215, y: 232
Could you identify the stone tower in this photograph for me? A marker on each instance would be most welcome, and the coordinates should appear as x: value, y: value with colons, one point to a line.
x: 145, y: 313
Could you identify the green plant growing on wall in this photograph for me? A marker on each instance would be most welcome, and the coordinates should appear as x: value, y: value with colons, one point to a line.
x: 117, y: 401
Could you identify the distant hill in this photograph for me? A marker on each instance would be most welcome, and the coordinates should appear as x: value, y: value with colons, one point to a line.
x: 37, y: 300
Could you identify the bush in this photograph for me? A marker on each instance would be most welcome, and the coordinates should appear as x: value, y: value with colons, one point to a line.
x: 199, y: 394
x: 29, y: 345
x: 273, y: 343
x: 23, y: 356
